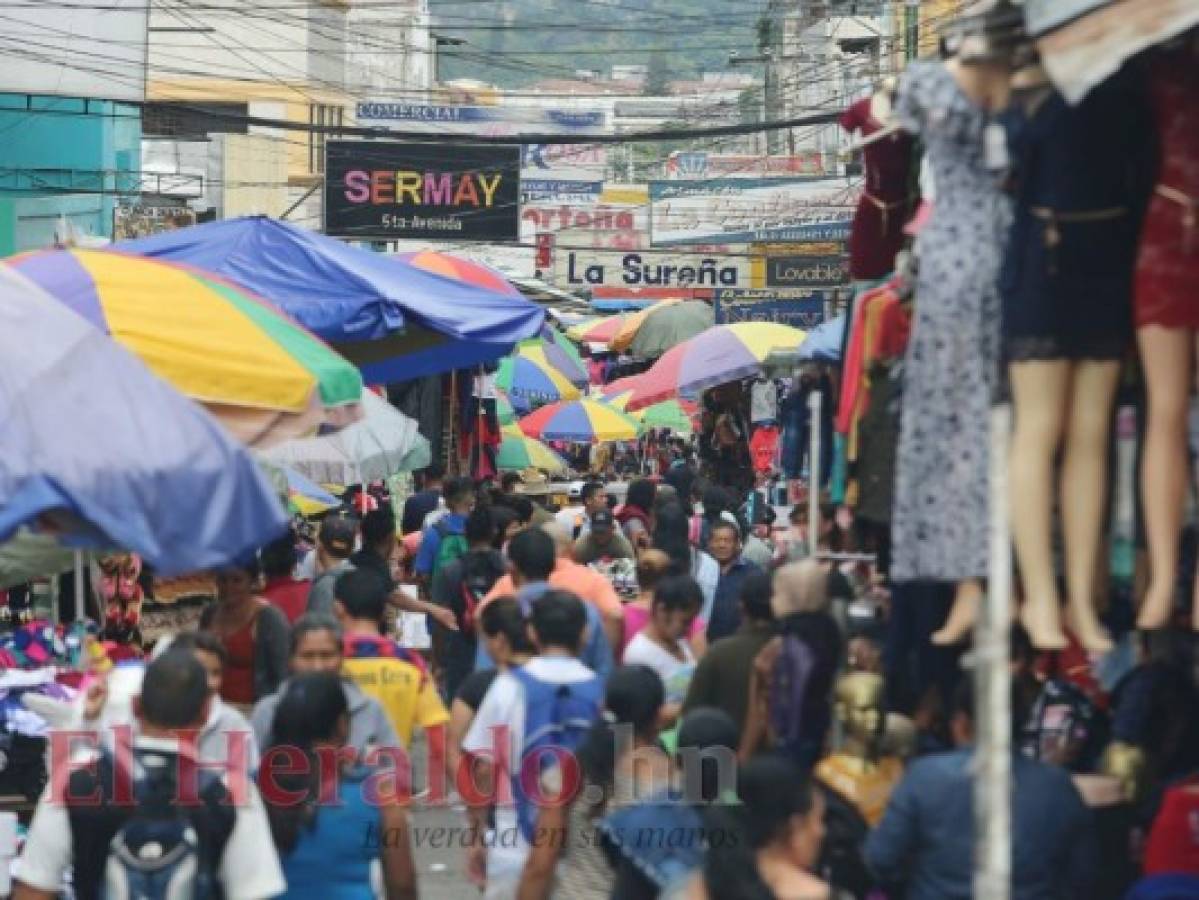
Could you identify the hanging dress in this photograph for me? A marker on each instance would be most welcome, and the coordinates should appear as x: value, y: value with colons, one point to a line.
x: 940, y: 521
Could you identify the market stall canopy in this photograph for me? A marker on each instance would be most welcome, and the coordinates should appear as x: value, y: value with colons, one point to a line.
x: 518, y: 452
x: 653, y: 331
x: 528, y: 378
x: 675, y: 415
x: 382, y: 444
x: 1082, y: 42
x: 98, y: 450
x: 580, y: 422
x: 721, y: 354
x: 264, y: 376
x: 598, y: 330
x: 394, y: 320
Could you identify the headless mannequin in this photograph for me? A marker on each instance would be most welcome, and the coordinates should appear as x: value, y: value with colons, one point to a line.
x: 1168, y: 359
x: 986, y: 83
x: 859, y: 771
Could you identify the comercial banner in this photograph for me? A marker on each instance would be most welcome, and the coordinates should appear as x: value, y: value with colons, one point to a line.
x: 575, y: 269
x: 747, y: 210
x: 701, y: 164
x: 797, y: 308
x: 392, y: 190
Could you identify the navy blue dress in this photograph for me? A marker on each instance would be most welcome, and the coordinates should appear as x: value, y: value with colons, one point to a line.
x: 1067, y: 284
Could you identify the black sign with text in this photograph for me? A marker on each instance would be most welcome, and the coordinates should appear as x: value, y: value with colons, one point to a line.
x: 806, y: 271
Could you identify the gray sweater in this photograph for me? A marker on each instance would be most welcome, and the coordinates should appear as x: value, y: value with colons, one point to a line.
x: 369, y: 724
x: 271, y: 638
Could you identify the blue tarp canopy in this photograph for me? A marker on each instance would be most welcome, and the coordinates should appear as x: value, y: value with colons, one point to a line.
x: 823, y: 342
x: 111, y: 455
x: 392, y: 319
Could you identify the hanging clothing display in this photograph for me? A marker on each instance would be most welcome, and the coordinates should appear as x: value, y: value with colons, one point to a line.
x: 940, y: 521
x: 478, y: 425
x: 764, y: 448
x: 1168, y: 264
x: 1081, y: 182
x: 877, y: 233
x: 879, y: 436
x: 763, y: 401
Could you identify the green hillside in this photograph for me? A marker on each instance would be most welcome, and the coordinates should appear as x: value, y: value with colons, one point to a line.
x: 514, y: 43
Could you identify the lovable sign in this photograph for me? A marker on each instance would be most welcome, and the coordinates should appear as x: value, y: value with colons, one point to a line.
x: 425, y: 191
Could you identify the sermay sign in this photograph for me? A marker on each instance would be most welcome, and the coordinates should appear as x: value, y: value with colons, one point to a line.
x: 424, y: 191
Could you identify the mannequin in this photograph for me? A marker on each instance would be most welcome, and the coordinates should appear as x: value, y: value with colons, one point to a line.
x: 1126, y: 763
x: 939, y: 525
x: 1167, y: 315
x: 883, y: 208
x: 1067, y: 321
x: 858, y: 771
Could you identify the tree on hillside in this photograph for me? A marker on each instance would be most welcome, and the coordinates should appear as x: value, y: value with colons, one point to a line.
x: 657, y: 75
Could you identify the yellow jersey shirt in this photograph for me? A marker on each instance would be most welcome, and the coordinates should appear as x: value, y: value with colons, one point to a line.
x: 399, y: 682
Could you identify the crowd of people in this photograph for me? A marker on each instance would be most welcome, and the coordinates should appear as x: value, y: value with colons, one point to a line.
x: 746, y: 725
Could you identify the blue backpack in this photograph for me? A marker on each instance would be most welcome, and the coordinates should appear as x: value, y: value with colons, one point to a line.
x: 557, y: 716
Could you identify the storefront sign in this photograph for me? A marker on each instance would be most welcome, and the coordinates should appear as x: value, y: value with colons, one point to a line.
x: 698, y: 164
x: 804, y: 248
x: 384, y: 190
x: 129, y: 222
x: 602, y: 226
x: 548, y: 190
x: 800, y: 309
x: 747, y: 210
x: 583, y: 269
x: 806, y: 271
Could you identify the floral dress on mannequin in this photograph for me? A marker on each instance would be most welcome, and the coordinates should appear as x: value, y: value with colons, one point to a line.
x: 940, y: 524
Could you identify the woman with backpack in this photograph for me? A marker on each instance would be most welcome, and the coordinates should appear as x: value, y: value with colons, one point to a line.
x: 356, y: 848
x: 621, y: 760
x: 790, y: 690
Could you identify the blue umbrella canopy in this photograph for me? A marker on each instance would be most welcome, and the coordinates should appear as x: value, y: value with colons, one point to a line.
x: 393, y: 319
x: 100, y: 451
x: 823, y: 342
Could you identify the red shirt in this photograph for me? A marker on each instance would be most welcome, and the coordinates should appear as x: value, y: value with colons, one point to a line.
x: 288, y: 595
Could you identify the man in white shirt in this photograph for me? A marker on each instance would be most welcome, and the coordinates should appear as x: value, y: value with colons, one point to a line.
x: 72, y: 832
x: 576, y: 518
x: 558, y: 621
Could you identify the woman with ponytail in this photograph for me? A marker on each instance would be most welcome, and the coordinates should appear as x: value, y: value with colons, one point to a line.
x: 620, y: 760
x: 339, y: 837
x: 765, y: 847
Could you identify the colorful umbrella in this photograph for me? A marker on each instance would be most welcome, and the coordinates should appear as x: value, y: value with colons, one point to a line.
x: 620, y: 386
x: 721, y: 354
x: 581, y: 422
x: 98, y: 450
x: 373, y: 449
x: 529, y: 378
x: 668, y: 414
x: 600, y: 330
x: 518, y: 452
x: 548, y: 353
x: 653, y: 331
x: 308, y: 498
x: 503, y: 408
x: 465, y: 270
x: 553, y: 336
x: 261, y: 373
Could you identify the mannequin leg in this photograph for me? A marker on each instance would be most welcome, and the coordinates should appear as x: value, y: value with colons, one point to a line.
x: 961, y: 615
x: 1083, y: 489
x: 1166, y: 360
x: 1039, y: 394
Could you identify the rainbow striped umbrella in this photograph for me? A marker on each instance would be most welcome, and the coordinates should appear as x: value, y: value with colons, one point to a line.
x: 580, y: 422
x: 503, y: 408
x: 518, y: 452
x: 670, y: 414
x: 598, y: 331
x: 307, y: 497
x: 263, y: 375
x: 528, y: 378
x: 721, y: 354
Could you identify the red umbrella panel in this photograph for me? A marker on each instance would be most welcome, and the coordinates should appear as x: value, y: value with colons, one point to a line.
x: 460, y: 269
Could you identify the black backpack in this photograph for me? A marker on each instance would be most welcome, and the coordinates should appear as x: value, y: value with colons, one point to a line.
x: 157, y: 847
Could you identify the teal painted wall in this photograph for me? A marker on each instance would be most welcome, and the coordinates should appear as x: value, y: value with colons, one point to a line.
x: 78, y: 148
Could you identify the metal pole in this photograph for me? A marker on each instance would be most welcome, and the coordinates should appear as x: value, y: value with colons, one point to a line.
x: 814, y: 400
x: 992, y: 690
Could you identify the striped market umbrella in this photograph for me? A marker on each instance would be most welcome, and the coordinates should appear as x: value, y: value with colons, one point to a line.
x: 263, y: 375
x: 503, y: 408
x: 544, y: 351
x: 673, y: 414
x: 667, y: 324
x: 598, y: 331
x: 580, y: 422
x: 528, y: 378
x: 466, y: 270
x: 307, y: 497
x: 721, y: 354
x: 518, y: 452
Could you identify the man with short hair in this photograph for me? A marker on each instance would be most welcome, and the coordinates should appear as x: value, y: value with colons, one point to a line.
x: 380, y: 667
x: 722, y: 676
x: 724, y: 543
x: 317, y: 646
x: 334, y: 547
x: 74, y: 830
x: 926, y: 837
x: 459, y: 500
x: 558, y: 623
x: 576, y: 518
x: 423, y: 502
x: 536, y: 567
x: 602, y: 541
x: 378, y: 547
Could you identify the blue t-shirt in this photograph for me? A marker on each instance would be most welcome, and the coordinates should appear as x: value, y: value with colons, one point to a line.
x: 450, y: 523
x: 597, y: 652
